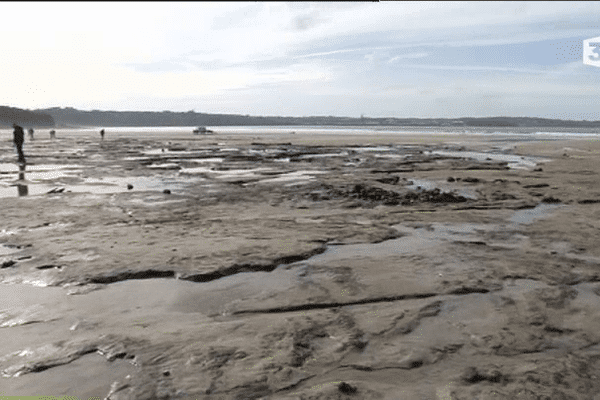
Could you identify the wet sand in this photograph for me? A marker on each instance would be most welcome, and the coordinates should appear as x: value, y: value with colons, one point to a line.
x: 300, y: 266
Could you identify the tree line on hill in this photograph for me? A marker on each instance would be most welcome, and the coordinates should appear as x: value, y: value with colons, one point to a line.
x: 70, y: 117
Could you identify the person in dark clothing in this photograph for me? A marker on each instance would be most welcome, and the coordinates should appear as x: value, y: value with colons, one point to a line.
x: 102, y: 134
x: 18, y: 139
x: 30, y: 131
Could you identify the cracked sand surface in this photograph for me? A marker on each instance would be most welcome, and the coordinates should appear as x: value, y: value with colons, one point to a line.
x: 250, y: 280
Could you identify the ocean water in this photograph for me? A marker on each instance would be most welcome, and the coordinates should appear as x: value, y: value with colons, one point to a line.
x: 526, y: 133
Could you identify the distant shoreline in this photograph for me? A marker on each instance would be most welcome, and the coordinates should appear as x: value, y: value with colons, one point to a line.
x: 304, y: 130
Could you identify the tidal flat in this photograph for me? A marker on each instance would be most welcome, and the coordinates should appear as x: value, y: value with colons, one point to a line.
x: 262, y: 264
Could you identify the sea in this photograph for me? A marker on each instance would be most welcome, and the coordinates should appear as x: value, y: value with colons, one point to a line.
x: 374, y: 130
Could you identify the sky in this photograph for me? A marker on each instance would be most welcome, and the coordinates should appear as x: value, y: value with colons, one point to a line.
x: 385, y: 59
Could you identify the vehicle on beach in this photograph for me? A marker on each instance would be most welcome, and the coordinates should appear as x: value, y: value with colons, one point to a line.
x: 202, y: 130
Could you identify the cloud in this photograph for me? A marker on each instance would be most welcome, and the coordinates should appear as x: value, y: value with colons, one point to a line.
x: 478, y: 68
x: 405, y: 56
x: 305, y: 22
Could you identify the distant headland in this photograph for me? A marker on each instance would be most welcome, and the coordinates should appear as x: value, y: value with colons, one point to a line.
x: 71, y: 117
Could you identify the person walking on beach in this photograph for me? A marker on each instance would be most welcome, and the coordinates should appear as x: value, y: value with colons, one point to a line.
x: 18, y: 139
x: 30, y: 131
x: 102, y: 134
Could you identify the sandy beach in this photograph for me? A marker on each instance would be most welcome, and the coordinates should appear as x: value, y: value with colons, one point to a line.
x: 300, y: 265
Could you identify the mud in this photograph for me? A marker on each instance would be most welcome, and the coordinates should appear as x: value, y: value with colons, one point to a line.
x: 256, y: 265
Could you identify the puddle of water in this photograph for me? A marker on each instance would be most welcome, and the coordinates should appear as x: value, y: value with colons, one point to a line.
x: 6, y: 249
x: 19, y: 190
x: 390, y: 155
x: 206, y: 160
x: 293, y: 177
x: 528, y: 216
x: 143, y: 295
x: 416, y: 240
x: 217, y: 296
x: 119, y: 184
x: 165, y: 151
x: 164, y: 166
x: 107, y: 185
x: 52, y: 167
x: 266, y: 151
x: 419, y: 239
x: 231, y: 173
x: 588, y: 297
x: 36, y: 175
x: 513, y: 161
x: 89, y: 376
x: 115, y: 306
x: 136, y: 159
x: 50, y: 175
x: 8, y: 168
x: 373, y: 148
x: 323, y: 155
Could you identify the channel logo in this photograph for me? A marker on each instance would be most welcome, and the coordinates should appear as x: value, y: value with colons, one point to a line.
x: 591, y: 51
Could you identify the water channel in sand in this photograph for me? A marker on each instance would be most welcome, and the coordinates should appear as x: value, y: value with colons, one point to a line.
x: 513, y: 161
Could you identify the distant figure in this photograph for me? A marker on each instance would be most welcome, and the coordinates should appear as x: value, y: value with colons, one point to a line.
x: 30, y: 131
x: 52, y: 134
x: 18, y: 139
x: 102, y: 134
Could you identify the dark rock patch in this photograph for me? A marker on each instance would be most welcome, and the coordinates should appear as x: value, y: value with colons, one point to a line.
x: 551, y: 199
x: 390, y: 181
x: 49, y: 266
x: 468, y: 290
x: 126, y: 275
x: 386, y: 197
x: 241, y: 157
x: 7, y: 264
x: 498, y: 196
x: 320, y: 306
x: 346, y: 388
x: 472, y: 375
x: 555, y: 329
x: 260, y: 266
x: 487, y: 166
x: 472, y: 180
x: 589, y: 201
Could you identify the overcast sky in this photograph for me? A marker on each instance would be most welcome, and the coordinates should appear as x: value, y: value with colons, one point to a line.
x: 396, y: 59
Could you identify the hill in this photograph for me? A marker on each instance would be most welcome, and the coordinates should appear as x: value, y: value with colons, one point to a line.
x: 10, y: 115
x: 70, y: 117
